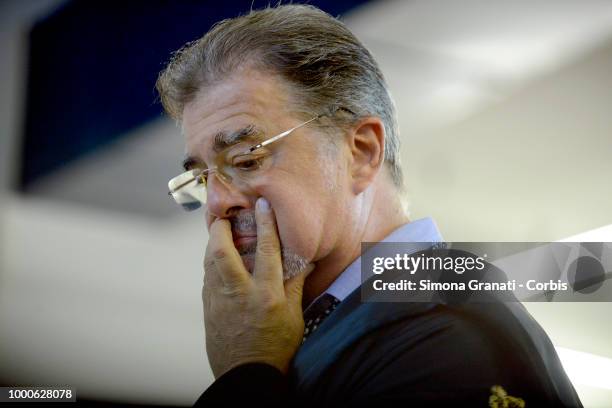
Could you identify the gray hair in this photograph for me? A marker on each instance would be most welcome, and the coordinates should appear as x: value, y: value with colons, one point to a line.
x: 315, y: 53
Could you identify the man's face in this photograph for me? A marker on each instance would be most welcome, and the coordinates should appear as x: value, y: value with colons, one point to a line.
x: 306, y: 183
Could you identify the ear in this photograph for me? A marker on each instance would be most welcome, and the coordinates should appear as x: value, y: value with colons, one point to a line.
x: 367, y: 145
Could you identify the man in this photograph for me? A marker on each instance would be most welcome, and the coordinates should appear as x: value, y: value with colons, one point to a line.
x: 293, y: 149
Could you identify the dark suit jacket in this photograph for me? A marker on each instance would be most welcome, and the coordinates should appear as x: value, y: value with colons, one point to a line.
x: 410, y: 354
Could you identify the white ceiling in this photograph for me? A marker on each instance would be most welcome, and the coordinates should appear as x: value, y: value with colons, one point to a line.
x: 446, y: 59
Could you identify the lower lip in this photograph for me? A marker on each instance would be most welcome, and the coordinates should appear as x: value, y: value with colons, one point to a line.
x: 244, y: 241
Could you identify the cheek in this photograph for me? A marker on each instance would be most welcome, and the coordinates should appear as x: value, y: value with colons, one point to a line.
x: 299, y: 225
x: 305, y: 207
x: 299, y: 218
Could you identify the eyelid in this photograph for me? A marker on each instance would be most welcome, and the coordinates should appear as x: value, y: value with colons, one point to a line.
x: 242, y: 149
x: 255, y: 154
x: 193, y: 165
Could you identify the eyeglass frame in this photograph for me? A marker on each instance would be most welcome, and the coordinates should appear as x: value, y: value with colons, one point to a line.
x: 249, y: 150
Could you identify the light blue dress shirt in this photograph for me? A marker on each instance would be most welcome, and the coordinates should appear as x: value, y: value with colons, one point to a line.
x: 422, y: 230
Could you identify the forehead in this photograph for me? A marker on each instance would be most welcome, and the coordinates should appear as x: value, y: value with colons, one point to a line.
x: 246, y: 98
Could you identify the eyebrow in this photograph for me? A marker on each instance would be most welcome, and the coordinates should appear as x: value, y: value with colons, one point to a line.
x: 223, y: 140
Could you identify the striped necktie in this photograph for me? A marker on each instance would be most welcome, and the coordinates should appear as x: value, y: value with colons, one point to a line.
x: 317, y: 312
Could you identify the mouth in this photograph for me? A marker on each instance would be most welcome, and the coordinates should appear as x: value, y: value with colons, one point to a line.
x: 243, y: 240
x: 246, y: 245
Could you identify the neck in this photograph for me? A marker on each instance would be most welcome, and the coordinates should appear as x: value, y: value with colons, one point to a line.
x: 379, y: 213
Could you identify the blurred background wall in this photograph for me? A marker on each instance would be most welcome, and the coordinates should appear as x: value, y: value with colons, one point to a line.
x: 506, y: 121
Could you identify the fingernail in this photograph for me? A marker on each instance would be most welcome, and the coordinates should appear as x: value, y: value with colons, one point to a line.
x: 263, y: 204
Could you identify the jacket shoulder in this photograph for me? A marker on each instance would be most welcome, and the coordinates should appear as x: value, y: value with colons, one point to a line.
x: 452, y: 353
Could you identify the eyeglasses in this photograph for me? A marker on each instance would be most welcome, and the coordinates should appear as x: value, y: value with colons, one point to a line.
x: 236, y: 165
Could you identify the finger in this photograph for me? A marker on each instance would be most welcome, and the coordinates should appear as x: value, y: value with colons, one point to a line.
x: 268, y: 264
x: 211, y: 276
x: 294, y: 287
x: 208, y: 289
x: 222, y: 258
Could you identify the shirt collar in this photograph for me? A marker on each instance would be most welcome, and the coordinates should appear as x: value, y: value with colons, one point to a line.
x: 422, y: 230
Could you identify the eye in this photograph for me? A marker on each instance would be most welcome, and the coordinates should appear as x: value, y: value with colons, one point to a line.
x: 247, y: 162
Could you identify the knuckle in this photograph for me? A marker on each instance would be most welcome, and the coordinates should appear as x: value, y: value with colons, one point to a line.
x: 270, y: 302
x: 219, y: 253
x: 266, y: 222
x: 238, y: 293
x: 209, y: 280
x: 209, y: 264
x: 267, y: 247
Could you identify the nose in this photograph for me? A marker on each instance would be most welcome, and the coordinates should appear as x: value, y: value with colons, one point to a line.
x: 223, y: 199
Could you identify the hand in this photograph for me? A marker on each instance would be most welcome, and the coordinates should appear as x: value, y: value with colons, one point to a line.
x: 250, y: 318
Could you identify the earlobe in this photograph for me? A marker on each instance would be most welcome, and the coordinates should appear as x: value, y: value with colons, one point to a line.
x: 367, y: 144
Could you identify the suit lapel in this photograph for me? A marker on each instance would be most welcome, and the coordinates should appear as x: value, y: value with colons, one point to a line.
x: 350, y: 321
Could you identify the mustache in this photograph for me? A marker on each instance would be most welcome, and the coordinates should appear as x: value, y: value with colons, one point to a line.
x: 244, y: 223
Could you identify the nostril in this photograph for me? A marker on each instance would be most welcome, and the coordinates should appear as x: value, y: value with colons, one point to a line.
x: 231, y: 212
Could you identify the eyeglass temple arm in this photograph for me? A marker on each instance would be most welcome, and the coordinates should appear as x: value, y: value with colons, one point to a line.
x: 277, y: 137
